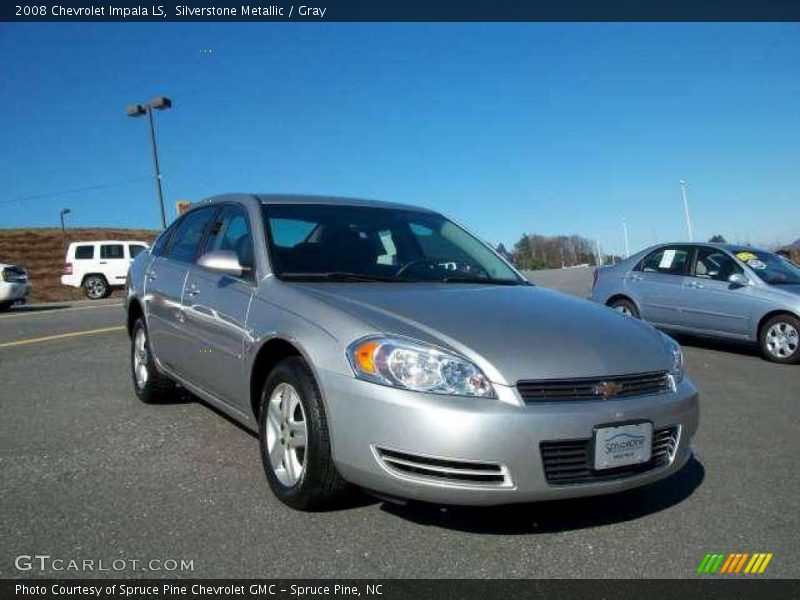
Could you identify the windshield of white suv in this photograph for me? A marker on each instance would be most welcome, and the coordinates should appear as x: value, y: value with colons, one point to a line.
x: 771, y: 268
x: 363, y: 243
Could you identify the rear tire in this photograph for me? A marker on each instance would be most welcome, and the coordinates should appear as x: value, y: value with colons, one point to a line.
x: 294, y: 439
x: 96, y: 287
x: 4, y: 306
x: 150, y: 384
x: 625, y: 306
x: 779, y: 339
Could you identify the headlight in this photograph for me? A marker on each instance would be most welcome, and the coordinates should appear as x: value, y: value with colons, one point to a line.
x: 418, y: 367
x: 676, y: 370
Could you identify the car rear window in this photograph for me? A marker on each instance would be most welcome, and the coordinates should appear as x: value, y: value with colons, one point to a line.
x: 112, y: 251
x: 84, y: 252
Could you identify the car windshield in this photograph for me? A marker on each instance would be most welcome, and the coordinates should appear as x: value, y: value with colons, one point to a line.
x: 771, y: 268
x: 365, y: 243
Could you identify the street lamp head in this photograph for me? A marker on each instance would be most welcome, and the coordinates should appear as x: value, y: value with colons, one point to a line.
x: 65, y: 211
x: 161, y: 103
x: 136, y: 110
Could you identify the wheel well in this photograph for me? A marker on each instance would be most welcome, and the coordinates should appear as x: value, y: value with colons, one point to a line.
x: 134, y: 312
x: 768, y: 316
x: 269, y: 355
x: 619, y: 297
x: 93, y: 275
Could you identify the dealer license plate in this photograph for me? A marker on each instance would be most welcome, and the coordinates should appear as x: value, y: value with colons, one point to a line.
x: 622, y: 445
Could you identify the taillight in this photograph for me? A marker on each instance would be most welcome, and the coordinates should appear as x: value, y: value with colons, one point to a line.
x: 68, y: 269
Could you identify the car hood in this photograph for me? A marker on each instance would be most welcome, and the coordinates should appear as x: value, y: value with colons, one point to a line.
x: 511, y: 332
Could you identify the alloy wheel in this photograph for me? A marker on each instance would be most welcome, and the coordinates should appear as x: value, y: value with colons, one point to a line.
x: 95, y: 288
x: 140, y: 358
x: 621, y: 308
x: 286, y: 434
x: 782, y: 339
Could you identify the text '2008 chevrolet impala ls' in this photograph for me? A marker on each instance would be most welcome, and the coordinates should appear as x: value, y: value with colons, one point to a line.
x: 382, y: 345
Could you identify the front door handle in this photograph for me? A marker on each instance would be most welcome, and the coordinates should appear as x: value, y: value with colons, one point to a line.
x: 193, y: 291
x: 150, y: 276
x: 695, y: 285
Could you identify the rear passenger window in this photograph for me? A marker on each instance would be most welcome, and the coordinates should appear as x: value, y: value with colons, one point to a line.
x: 668, y: 261
x: 135, y: 250
x: 112, y: 251
x: 84, y: 252
x: 189, y: 234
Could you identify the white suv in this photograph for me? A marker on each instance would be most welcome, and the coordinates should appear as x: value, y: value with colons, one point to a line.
x: 98, y: 267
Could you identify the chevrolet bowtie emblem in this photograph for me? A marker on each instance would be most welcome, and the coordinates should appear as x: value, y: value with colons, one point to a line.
x: 607, y: 389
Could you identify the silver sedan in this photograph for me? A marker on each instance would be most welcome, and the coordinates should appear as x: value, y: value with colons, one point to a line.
x: 716, y: 290
x: 382, y: 345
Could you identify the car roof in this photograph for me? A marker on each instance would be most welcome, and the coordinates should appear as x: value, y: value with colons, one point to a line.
x: 313, y: 199
x: 733, y: 248
x: 109, y: 242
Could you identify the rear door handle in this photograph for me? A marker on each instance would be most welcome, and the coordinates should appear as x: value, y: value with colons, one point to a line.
x: 193, y: 291
x: 150, y: 276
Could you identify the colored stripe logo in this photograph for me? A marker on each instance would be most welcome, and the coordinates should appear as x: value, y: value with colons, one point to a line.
x: 735, y: 563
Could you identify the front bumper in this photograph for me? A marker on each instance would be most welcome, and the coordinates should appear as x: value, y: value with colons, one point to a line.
x: 11, y: 292
x: 366, y: 419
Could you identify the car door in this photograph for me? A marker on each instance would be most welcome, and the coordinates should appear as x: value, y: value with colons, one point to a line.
x: 712, y: 304
x: 165, y: 278
x: 215, y: 311
x: 114, y: 263
x: 657, y: 284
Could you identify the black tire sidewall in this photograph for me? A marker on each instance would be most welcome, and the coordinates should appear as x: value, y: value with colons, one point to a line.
x: 147, y: 394
x: 304, y: 493
x: 793, y: 358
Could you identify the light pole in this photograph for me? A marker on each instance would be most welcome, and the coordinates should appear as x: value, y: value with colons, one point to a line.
x: 138, y: 110
x: 684, y: 185
x: 64, y: 211
x: 625, y: 234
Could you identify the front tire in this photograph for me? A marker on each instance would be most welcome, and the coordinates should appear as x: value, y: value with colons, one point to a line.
x: 294, y: 439
x: 4, y: 306
x: 150, y: 384
x: 780, y: 339
x: 96, y: 287
x: 625, y: 306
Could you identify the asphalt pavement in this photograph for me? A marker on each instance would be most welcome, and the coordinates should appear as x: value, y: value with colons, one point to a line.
x: 89, y: 472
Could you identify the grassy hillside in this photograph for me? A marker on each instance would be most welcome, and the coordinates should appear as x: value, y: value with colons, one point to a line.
x: 42, y: 252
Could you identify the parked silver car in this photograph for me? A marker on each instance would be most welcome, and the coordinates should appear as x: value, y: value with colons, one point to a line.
x: 383, y: 345
x: 716, y: 290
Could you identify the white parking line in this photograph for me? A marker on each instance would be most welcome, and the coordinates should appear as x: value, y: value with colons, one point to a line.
x: 50, y: 311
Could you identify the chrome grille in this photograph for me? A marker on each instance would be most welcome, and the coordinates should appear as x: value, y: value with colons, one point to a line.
x: 443, y: 470
x: 594, y: 388
x: 570, y: 462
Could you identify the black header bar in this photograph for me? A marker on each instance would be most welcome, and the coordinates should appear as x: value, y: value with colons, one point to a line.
x: 397, y: 10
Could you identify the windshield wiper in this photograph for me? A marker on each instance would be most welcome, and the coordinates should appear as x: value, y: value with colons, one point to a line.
x: 458, y: 279
x: 338, y: 276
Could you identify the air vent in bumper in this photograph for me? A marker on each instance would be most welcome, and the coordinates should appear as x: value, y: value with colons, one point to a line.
x: 595, y: 388
x: 444, y: 471
x: 569, y: 462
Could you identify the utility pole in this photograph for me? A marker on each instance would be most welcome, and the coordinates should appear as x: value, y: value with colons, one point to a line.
x: 625, y: 233
x: 64, y: 211
x: 684, y: 185
x: 147, y: 108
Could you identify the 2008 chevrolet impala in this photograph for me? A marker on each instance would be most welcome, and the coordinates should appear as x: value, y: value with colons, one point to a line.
x: 384, y: 346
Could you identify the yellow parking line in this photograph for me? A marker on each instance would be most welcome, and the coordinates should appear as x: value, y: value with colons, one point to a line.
x: 60, y: 336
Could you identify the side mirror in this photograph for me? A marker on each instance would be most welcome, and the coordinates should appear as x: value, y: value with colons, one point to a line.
x: 222, y: 261
x: 739, y: 280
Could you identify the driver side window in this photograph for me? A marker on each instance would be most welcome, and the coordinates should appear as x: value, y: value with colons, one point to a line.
x: 714, y: 264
